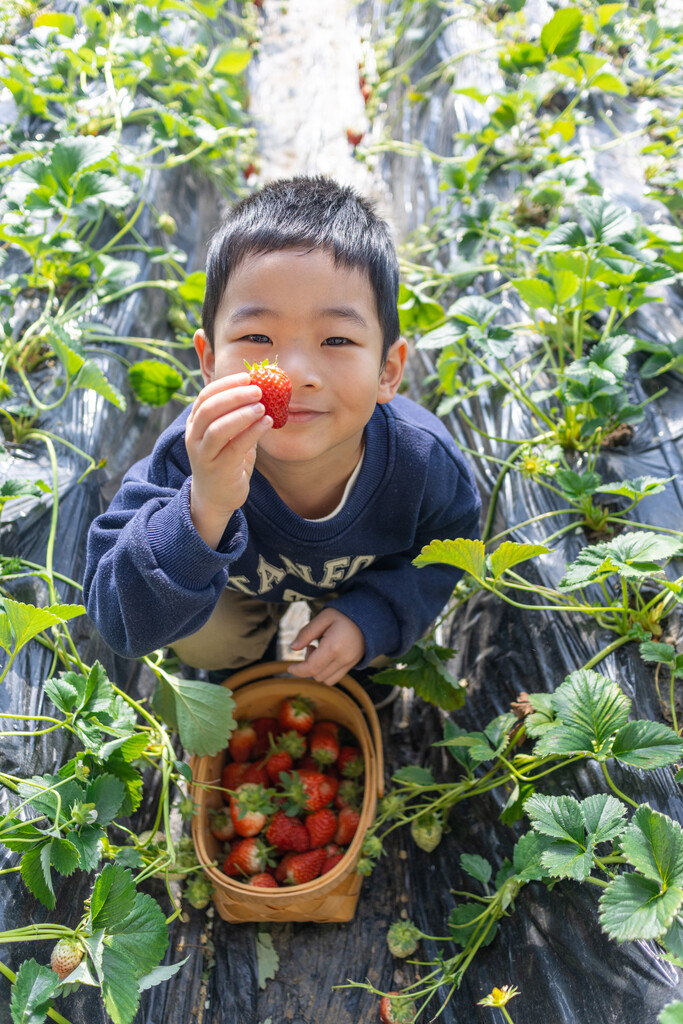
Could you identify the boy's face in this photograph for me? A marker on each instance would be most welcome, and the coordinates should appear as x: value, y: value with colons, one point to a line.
x: 321, y: 322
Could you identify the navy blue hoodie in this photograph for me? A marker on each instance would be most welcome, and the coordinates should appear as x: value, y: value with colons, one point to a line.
x: 150, y: 579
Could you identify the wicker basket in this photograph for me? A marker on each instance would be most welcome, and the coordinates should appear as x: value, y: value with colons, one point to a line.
x: 332, y: 897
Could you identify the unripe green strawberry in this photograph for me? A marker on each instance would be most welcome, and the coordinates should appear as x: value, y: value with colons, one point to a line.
x: 198, y: 892
x: 427, y: 831
x: 276, y: 390
x: 403, y: 938
x: 66, y: 956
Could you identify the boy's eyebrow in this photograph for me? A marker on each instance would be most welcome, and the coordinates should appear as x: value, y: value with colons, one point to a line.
x: 342, y: 313
x: 249, y: 311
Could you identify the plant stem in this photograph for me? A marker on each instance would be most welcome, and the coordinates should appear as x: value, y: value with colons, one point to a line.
x: 615, y: 789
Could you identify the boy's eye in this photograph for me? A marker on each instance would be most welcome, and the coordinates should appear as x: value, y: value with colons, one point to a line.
x: 337, y: 341
x: 258, y: 339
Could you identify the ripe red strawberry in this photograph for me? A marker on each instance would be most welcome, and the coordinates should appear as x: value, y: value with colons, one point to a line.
x: 306, y: 762
x: 256, y: 772
x: 321, y: 826
x: 324, y: 725
x: 66, y: 956
x: 288, y: 833
x: 354, y: 136
x: 393, y: 1011
x: 276, y: 390
x: 350, y: 762
x: 296, y: 713
x: 233, y: 776
x: 221, y: 825
x: 347, y: 825
x: 308, y: 790
x: 304, y: 867
x: 264, y: 729
x: 331, y: 862
x: 247, y: 857
x: 241, y: 741
x: 263, y: 880
x: 249, y: 808
x: 284, y: 749
x: 349, y: 792
x: 324, y: 748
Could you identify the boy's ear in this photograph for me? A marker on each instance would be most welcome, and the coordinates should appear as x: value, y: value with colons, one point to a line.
x: 392, y: 371
x: 207, y: 361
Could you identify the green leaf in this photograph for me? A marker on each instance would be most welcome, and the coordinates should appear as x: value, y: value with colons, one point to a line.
x: 193, y: 287
x: 527, y: 857
x: 154, y: 382
x: 509, y: 553
x: 651, y: 650
x: 473, y: 310
x: 561, y: 34
x: 424, y: 670
x: 647, y: 744
x: 160, y: 974
x: 609, y: 222
x: 107, y: 793
x: 591, y: 709
x: 35, y: 870
x: 557, y: 816
x: 142, y: 936
x: 604, y: 816
x: 91, y: 378
x: 203, y: 713
x: 32, y: 993
x: 565, y: 859
x: 653, y: 844
x: 536, y: 293
x: 25, y: 621
x: 638, y: 488
x: 461, y: 553
x: 87, y: 841
x: 228, y: 60
x: 113, y: 897
x: 51, y: 794
x: 609, y: 82
x: 64, y: 856
x: 672, y: 1014
x: 476, y: 866
x: 64, y: 23
x: 566, y: 236
x: 577, y: 485
x: 633, y: 907
x: 267, y: 959
x: 631, y: 555
x: 72, y: 155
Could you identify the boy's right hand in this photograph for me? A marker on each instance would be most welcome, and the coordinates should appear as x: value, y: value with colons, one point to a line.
x: 221, y: 434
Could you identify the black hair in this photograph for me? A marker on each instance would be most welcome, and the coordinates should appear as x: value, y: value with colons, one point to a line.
x: 306, y: 212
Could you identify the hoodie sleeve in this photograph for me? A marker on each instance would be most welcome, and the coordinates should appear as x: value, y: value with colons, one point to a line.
x: 149, y: 578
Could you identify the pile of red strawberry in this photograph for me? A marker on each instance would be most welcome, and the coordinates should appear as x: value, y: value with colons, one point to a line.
x: 294, y: 790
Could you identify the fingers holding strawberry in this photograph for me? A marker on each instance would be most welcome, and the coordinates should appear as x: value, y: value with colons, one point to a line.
x: 225, y: 424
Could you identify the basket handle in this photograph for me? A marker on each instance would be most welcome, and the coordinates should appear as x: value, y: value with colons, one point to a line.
x: 271, y: 668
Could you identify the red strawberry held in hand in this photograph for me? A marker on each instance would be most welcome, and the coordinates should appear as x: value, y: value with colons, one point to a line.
x: 276, y: 390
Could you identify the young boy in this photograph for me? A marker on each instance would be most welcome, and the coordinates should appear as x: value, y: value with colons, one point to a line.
x: 229, y: 520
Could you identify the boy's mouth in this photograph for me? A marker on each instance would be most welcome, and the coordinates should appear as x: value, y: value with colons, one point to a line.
x: 302, y: 415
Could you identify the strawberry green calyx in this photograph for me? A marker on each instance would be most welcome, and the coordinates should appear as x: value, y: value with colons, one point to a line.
x: 396, y: 1009
x: 66, y: 956
x: 403, y: 938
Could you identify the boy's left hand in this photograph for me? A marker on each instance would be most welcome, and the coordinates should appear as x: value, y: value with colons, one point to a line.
x: 340, y: 646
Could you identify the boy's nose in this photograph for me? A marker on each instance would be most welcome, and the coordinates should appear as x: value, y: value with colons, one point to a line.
x: 301, y: 371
